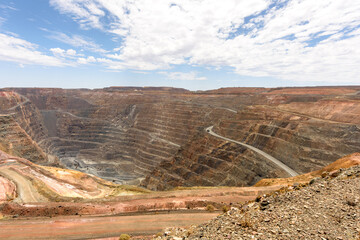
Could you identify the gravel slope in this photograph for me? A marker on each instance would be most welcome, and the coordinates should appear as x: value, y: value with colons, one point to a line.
x: 327, y: 208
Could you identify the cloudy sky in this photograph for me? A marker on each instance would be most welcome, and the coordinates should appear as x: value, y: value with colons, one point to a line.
x: 195, y: 44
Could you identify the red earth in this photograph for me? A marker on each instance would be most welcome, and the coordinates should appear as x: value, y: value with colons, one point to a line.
x: 98, y: 227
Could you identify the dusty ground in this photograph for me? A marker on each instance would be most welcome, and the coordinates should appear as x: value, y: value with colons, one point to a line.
x: 46, y: 191
x: 94, y: 217
x: 171, y: 200
x: 97, y: 227
x: 327, y: 208
x: 35, y: 183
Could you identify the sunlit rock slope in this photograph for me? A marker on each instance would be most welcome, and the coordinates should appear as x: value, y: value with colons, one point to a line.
x: 156, y: 137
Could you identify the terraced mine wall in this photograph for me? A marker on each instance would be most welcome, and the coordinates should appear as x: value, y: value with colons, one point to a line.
x: 156, y: 137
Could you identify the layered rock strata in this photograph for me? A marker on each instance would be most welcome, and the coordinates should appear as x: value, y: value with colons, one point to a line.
x: 157, y: 135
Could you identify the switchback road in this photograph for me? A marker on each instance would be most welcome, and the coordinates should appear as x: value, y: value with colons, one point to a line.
x: 290, y: 171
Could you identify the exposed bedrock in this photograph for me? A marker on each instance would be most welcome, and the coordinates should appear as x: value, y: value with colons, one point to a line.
x: 157, y: 135
x: 20, y: 126
x: 302, y: 143
x: 14, y: 140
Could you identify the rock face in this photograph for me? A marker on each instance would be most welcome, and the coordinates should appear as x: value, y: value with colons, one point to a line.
x: 15, y: 140
x: 7, y: 189
x: 157, y: 136
x: 305, y: 139
x: 22, y: 181
x: 326, y: 209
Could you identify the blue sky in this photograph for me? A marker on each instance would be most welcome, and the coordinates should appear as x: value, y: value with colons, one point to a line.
x: 181, y: 43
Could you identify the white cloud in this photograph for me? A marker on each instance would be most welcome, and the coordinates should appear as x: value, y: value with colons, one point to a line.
x: 76, y: 41
x: 183, y: 76
x: 58, y: 51
x: 86, y: 12
x: 17, y: 50
x: 303, y: 40
x: 72, y: 57
x: 87, y: 60
x: 157, y: 34
x: 70, y: 53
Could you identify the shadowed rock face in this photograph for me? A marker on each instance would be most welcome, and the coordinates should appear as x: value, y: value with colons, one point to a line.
x: 157, y: 134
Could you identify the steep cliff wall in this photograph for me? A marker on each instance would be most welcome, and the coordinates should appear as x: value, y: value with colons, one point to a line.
x: 158, y: 135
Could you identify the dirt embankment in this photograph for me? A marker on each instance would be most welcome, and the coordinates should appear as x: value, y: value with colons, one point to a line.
x: 345, y: 162
x: 34, y: 191
x: 36, y: 183
x: 327, y: 208
x: 7, y: 189
x: 188, y: 199
x: 98, y: 227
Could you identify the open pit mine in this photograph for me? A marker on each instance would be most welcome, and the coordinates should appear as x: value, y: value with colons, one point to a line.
x: 148, y: 158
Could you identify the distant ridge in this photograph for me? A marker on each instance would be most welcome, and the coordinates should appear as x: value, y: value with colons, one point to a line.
x: 167, y: 89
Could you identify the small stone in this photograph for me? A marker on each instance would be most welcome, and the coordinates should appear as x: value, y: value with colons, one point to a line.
x: 334, y: 173
x: 324, y: 174
x: 351, y: 202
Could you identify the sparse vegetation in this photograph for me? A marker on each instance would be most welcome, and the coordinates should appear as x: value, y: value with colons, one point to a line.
x: 128, y: 189
x: 246, y: 222
x: 210, y: 208
x: 49, y: 194
x: 225, y: 208
x: 124, y: 237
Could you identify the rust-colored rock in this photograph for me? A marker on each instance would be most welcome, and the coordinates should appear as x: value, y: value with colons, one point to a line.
x: 156, y: 135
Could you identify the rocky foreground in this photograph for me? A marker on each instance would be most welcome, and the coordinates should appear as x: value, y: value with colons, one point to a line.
x: 326, y: 208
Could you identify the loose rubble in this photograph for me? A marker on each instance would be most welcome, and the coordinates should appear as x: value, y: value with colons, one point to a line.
x: 326, y: 208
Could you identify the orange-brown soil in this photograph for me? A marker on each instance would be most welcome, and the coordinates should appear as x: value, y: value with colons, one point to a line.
x: 31, y: 190
x: 345, y: 162
x: 163, y: 201
x: 154, y: 137
x: 167, y: 208
x: 7, y: 189
x: 135, y: 201
x: 97, y: 227
x: 36, y: 183
x: 314, y: 90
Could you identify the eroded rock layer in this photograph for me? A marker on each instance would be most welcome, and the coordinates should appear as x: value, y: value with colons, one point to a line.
x: 157, y: 136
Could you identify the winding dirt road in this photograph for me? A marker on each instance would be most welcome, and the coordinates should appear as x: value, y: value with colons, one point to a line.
x: 20, y: 104
x: 27, y: 192
x: 290, y: 171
